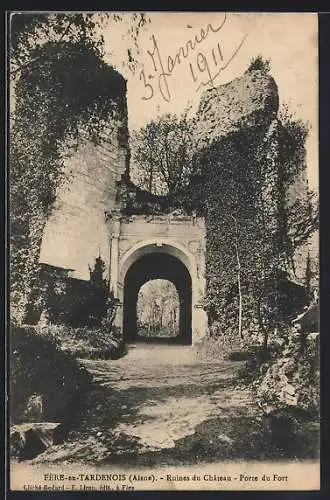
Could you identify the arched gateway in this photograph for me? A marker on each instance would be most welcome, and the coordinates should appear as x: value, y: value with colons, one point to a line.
x: 167, y: 247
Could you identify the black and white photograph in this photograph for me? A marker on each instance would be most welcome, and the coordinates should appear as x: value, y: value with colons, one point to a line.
x: 164, y: 251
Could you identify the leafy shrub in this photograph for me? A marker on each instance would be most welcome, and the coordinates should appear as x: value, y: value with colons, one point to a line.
x: 285, y: 379
x: 74, y: 302
x: 259, y: 64
x: 40, y: 368
x: 292, y: 381
x: 227, y: 343
x: 257, y: 359
x: 219, y: 344
x: 92, y: 343
x: 210, y: 348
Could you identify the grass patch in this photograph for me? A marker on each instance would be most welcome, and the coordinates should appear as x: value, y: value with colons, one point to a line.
x: 213, y: 348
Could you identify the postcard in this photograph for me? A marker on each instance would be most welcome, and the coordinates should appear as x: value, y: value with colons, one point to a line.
x: 164, y: 265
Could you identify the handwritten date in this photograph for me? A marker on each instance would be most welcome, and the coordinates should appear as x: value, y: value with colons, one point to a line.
x: 204, y: 68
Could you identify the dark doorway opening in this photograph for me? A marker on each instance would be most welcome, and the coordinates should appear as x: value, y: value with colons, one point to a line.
x: 150, y: 267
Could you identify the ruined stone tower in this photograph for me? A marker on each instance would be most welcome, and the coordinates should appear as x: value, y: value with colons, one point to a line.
x: 76, y: 231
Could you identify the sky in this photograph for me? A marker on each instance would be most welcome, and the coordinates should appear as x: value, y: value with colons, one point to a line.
x: 226, y: 43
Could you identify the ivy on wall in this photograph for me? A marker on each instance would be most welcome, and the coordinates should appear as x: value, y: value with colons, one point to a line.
x: 253, y: 228
x: 66, y: 93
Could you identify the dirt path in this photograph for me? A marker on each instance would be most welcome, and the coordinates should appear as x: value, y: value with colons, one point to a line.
x: 159, y: 405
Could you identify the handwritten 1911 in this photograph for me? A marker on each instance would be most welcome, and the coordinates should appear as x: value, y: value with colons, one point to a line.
x: 203, y: 69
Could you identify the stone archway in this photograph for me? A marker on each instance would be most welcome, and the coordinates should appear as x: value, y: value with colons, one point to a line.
x: 150, y: 266
x: 191, y: 271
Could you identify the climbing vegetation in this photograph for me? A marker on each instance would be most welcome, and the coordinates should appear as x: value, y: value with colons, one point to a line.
x: 62, y: 92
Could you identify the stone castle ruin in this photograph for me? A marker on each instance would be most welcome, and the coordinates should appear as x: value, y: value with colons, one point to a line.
x: 99, y: 211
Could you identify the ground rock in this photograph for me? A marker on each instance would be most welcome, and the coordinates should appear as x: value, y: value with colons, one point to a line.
x: 30, y: 439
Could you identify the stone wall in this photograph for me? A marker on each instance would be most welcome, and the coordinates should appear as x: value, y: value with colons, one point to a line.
x: 186, y: 230
x: 76, y: 232
x: 248, y: 102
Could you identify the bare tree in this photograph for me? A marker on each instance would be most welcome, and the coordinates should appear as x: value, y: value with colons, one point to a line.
x: 162, y: 154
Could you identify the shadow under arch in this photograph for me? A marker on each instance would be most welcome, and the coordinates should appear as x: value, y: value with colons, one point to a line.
x: 157, y: 264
